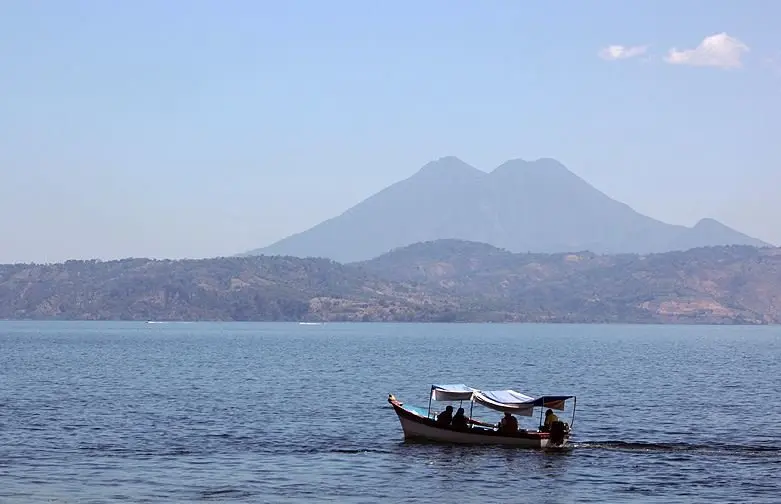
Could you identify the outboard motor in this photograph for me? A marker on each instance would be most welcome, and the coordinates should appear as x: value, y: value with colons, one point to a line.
x: 558, y: 432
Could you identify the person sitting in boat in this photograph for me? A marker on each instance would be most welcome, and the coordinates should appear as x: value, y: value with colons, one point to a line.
x: 508, y: 424
x: 444, y: 418
x: 459, y: 420
x: 550, y: 417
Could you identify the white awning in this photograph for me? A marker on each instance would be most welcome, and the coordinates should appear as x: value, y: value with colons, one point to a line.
x: 499, y: 400
x: 506, y: 400
x: 458, y: 392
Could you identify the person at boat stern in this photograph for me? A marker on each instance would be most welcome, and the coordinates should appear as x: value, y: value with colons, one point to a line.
x: 444, y: 418
x: 550, y: 417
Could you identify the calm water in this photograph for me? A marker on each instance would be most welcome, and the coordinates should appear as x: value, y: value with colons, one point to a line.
x: 102, y: 412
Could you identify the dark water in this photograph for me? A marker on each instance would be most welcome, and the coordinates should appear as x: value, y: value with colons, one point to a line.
x: 93, y: 412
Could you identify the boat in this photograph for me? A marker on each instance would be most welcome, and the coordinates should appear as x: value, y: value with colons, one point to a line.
x: 421, y: 424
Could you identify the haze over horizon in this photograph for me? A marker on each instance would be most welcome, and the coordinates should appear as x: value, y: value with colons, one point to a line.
x: 145, y: 130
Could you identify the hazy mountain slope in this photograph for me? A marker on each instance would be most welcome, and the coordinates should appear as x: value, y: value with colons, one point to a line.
x: 543, y: 207
x: 522, y: 206
x: 416, y: 209
x: 708, y: 233
x: 443, y: 280
x: 739, y: 284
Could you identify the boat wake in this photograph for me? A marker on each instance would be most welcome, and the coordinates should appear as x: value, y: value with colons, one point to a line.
x: 710, y: 448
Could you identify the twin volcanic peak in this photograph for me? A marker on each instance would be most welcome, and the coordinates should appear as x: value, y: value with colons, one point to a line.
x: 522, y: 206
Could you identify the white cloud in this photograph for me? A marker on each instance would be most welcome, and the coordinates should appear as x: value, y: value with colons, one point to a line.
x: 718, y: 50
x: 617, y: 52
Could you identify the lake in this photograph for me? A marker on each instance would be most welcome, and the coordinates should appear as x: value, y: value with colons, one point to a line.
x: 233, y: 412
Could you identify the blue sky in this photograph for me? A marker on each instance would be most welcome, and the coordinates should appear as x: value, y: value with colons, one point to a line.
x: 195, y: 129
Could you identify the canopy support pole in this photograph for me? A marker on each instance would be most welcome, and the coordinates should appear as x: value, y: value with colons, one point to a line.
x: 542, y: 408
x: 431, y: 393
x: 574, y: 407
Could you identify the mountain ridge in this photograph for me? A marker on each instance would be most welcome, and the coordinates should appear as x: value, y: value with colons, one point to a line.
x: 437, y: 281
x: 524, y: 206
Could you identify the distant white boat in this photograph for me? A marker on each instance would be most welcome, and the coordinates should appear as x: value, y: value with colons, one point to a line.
x: 311, y: 323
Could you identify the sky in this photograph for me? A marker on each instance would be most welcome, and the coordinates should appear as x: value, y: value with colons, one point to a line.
x: 207, y: 128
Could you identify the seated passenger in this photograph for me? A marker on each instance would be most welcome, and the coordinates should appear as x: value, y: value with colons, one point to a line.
x: 459, y: 420
x: 550, y: 417
x: 508, y: 424
x: 444, y: 418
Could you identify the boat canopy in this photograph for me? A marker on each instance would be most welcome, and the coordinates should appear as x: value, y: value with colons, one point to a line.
x: 459, y: 392
x: 499, y: 400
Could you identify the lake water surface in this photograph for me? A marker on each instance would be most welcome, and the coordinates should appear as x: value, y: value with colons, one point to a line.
x: 133, y: 412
